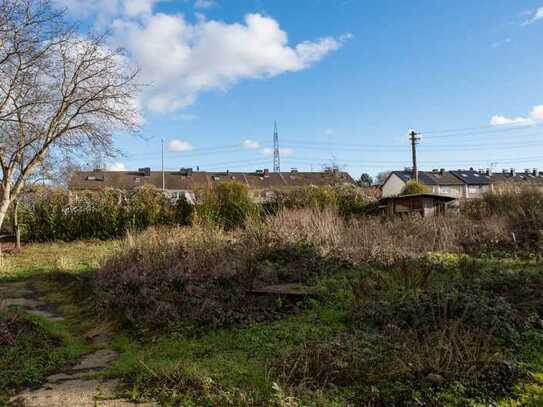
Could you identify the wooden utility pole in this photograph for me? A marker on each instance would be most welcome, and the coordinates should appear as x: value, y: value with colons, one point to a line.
x: 414, y: 137
x: 163, y: 177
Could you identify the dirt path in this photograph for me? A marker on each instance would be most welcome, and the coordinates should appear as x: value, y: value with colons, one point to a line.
x: 74, y: 386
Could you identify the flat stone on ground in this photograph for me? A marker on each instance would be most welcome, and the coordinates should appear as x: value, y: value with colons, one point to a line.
x: 19, y: 302
x: 45, y: 314
x: 98, y: 360
x: 73, y: 393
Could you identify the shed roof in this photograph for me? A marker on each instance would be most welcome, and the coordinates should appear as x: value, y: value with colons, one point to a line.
x: 443, y: 198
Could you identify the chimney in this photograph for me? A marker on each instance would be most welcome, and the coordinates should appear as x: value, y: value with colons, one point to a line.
x: 512, y: 172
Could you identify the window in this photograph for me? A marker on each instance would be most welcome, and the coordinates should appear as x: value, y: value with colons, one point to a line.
x: 137, y: 180
x: 94, y: 178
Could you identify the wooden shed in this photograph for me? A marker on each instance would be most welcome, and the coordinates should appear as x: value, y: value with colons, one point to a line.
x: 425, y: 204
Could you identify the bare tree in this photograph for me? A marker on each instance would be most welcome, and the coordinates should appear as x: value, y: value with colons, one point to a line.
x: 60, y: 93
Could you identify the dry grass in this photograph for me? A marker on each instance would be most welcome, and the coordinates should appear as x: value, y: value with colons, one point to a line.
x: 172, y: 275
x: 383, y: 241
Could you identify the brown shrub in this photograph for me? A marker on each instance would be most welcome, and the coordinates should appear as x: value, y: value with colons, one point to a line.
x: 200, y: 275
x: 383, y: 241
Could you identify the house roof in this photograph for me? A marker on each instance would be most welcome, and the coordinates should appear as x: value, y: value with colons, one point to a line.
x: 407, y: 176
x: 472, y: 177
x: 431, y: 177
x: 177, y: 180
x: 522, y: 178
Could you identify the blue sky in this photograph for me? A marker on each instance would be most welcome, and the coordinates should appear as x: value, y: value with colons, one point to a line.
x: 366, y: 73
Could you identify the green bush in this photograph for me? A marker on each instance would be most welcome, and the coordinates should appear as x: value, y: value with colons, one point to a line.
x: 348, y: 200
x: 50, y: 214
x: 227, y: 205
x: 414, y: 187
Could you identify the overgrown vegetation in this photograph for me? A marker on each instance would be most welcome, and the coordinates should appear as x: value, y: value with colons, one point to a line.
x: 397, y: 311
x: 48, y: 215
x: 522, y: 207
x: 202, y: 274
x: 414, y: 187
x: 30, y: 349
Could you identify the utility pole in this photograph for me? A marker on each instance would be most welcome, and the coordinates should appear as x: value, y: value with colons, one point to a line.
x: 276, y: 158
x: 163, y: 178
x: 414, y: 137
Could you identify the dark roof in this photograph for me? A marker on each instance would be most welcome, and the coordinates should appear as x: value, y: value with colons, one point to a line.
x: 519, y: 178
x: 407, y: 176
x: 431, y: 177
x: 177, y: 180
x: 438, y: 197
x: 472, y: 177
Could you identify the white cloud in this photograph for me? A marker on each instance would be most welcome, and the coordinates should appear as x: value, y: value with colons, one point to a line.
x: 250, y: 144
x: 283, y: 152
x: 104, y: 11
x: 181, y: 60
x: 116, y: 167
x: 538, y: 15
x: 205, y: 4
x: 179, y: 146
x: 500, y: 44
x: 534, y: 117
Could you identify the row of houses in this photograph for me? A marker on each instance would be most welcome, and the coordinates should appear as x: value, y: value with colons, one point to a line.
x: 185, y: 182
x: 460, y: 183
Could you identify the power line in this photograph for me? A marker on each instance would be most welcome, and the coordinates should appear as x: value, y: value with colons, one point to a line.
x: 489, y: 130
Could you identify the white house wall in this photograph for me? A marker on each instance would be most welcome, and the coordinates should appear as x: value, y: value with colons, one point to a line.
x: 393, y: 186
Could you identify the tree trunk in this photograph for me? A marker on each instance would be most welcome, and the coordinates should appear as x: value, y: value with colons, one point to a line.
x: 16, y: 224
x: 4, y: 206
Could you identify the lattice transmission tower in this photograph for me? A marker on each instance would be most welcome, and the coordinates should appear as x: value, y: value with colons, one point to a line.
x: 276, y: 157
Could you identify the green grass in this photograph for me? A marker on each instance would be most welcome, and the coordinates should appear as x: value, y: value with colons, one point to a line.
x: 237, y: 361
x: 247, y: 364
x: 43, y: 347
x: 36, y: 349
x: 38, y: 258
